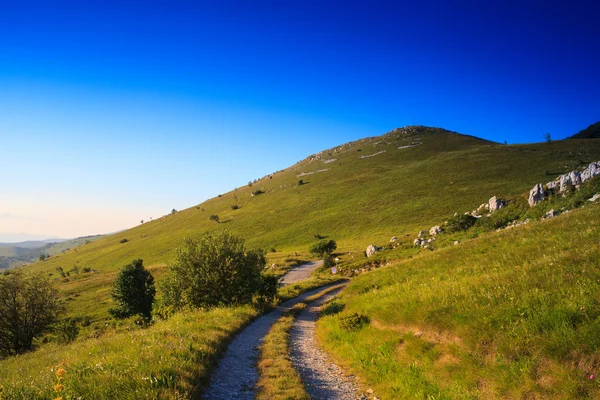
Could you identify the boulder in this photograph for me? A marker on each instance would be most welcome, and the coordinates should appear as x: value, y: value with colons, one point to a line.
x: 393, y: 239
x: 435, y: 230
x: 372, y: 249
x: 591, y: 171
x: 417, y: 242
x: 536, y: 195
x: 456, y: 242
x: 495, y: 204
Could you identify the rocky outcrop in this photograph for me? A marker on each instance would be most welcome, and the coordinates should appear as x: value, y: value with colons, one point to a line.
x: 536, y: 195
x: 495, y: 204
x: 435, y: 230
x: 573, y: 179
x: 551, y: 213
x: 372, y: 249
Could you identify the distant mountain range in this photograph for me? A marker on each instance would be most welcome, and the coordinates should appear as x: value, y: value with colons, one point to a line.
x: 20, y: 253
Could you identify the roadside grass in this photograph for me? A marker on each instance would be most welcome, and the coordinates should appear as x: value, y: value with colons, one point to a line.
x: 278, y: 377
x: 514, y: 314
x: 168, y: 360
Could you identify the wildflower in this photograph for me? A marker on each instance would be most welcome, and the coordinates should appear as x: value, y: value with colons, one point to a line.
x: 59, y: 387
x: 59, y: 398
x: 60, y: 372
x: 592, y: 376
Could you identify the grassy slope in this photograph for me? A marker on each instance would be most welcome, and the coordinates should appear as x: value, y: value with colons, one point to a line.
x: 514, y: 314
x: 357, y: 202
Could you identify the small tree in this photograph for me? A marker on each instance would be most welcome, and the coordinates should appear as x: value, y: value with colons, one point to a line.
x: 134, y: 291
x: 29, y: 305
x: 547, y: 137
x: 216, y: 269
x: 323, y: 248
x: 215, y: 218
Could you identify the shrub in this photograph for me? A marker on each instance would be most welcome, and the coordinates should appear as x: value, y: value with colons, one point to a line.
x: 215, y: 218
x: 235, y: 207
x: 29, y: 306
x: 214, y: 269
x: 134, y: 291
x: 257, y: 192
x: 460, y: 223
x: 353, y: 322
x: 300, y: 182
x: 268, y: 288
x: 323, y: 247
x: 123, y: 241
x: 86, y: 269
x: 66, y: 331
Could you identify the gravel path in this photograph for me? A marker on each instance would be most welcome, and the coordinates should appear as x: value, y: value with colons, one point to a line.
x: 322, y: 378
x: 300, y: 272
x: 236, y: 375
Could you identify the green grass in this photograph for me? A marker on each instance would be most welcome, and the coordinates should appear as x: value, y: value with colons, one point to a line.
x: 514, y: 314
x: 169, y: 360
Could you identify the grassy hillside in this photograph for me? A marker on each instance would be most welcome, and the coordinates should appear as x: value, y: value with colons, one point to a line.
x: 513, y: 314
x: 365, y: 192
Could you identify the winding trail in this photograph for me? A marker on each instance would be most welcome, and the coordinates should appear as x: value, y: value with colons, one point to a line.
x: 236, y: 375
x: 300, y: 272
x: 322, y: 379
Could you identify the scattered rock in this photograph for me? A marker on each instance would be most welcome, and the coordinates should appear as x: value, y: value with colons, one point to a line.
x: 421, y: 233
x: 435, y: 230
x: 495, y: 204
x: 594, y: 197
x: 551, y: 213
x: 393, y: 239
x: 536, y: 195
x: 417, y: 242
x: 372, y: 249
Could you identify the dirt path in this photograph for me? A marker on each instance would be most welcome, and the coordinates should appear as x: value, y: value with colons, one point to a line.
x: 236, y: 375
x: 301, y: 272
x: 322, y: 378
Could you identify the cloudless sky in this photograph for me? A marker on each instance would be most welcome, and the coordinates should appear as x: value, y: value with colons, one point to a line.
x: 117, y: 111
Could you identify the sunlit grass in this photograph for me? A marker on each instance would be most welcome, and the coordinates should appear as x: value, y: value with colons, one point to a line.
x: 513, y: 314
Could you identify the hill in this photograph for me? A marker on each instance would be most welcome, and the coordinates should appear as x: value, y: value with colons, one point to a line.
x: 358, y: 193
x: 591, y: 132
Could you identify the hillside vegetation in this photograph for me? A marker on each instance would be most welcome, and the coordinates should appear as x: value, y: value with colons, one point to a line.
x: 512, y: 314
x: 366, y: 192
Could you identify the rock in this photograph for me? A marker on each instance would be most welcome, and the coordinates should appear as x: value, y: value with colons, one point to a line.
x: 591, y: 171
x: 551, y: 213
x: 536, y: 195
x: 372, y: 249
x: 482, y: 207
x: 456, y: 242
x: 417, y: 242
x: 594, y: 197
x: 393, y: 239
x: 435, y: 230
x: 421, y: 233
x: 495, y: 204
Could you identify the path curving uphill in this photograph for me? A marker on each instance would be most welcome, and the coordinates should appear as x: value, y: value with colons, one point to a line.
x: 236, y: 375
x: 301, y: 272
x: 322, y: 378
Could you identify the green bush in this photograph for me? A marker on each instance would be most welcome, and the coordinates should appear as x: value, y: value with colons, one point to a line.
x: 353, y: 322
x: 323, y: 247
x: 133, y: 291
x: 460, y: 223
x: 29, y: 305
x: 66, y: 331
x: 212, y: 270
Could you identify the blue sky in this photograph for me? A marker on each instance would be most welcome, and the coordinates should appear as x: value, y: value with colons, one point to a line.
x: 112, y: 112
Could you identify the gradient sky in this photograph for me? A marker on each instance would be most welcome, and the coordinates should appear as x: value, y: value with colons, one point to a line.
x: 112, y: 112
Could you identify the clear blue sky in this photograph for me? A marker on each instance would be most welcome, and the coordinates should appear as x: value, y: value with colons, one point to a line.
x: 116, y: 111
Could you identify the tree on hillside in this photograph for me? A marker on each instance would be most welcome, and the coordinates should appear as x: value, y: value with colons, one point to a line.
x: 547, y: 137
x: 323, y: 248
x: 29, y: 305
x: 216, y: 269
x: 215, y: 218
x: 133, y: 291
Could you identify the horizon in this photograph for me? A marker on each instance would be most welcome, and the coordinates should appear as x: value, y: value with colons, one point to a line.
x: 115, y: 113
